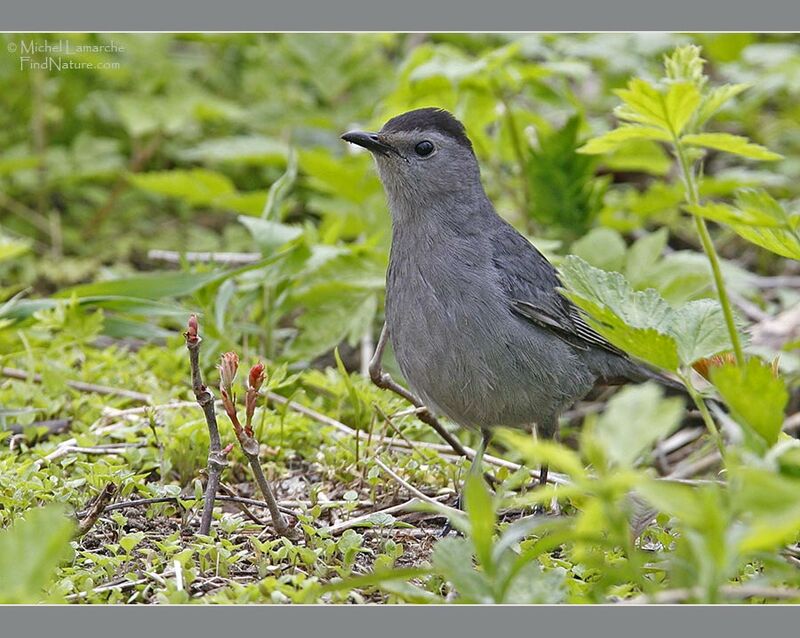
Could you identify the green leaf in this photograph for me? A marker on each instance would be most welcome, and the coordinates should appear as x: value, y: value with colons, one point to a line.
x: 482, y: 518
x: 758, y: 218
x: 670, y: 112
x: 643, y: 255
x: 250, y: 149
x: 640, y: 322
x: 636, y: 322
x: 280, y: 188
x: 681, y: 103
x: 620, y: 136
x: 12, y: 248
x: 536, y: 452
x: 715, y: 99
x: 30, y: 552
x: 198, y: 187
x: 755, y: 395
x: 689, y: 505
x: 700, y: 330
x: 635, y: 418
x: 452, y: 558
x: 602, y: 248
x: 568, y: 194
x: 735, y: 144
x: 162, y: 284
x: 270, y: 235
x: 770, y: 503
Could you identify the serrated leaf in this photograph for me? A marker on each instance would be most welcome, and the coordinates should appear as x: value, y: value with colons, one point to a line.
x: 758, y: 218
x: 716, y: 98
x: 699, y: 330
x: 668, y: 111
x: 30, y: 552
x: 640, y: 322
x: 635, y: 418
x: 735, y: 144
x: 680, y: 105
x: 636, y: 322
x: 755, y: 396
x: 620, y: 136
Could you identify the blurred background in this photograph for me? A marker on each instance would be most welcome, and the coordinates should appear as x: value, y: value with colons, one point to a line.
x: 123, y: 155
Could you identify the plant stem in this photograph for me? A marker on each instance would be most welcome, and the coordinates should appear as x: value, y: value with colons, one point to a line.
x: 693, y: 197
x: 216, y: 459
x: 707, y: 418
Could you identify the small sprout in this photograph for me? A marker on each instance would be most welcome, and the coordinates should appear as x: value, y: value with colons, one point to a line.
x: 192, y: 333
x: 228, y: 367
x: 257, y: 376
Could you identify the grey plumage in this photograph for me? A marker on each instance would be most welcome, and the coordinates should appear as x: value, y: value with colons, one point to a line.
x: 478, y: 326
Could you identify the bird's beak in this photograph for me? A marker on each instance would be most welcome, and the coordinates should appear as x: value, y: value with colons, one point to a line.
x: 370, y: 141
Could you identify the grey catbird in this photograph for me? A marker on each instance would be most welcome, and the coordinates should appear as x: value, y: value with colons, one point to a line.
x: 478, y: 326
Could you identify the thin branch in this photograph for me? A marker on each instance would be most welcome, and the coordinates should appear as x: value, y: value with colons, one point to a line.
x: 733, y: 592
x: 232, y: 259
x: 142, y: 502
x: 359, y: 520
x: 413, y: 490
x: 205, y: 399
x: 248, y: 443
x: 80, y: 386
x: 97, y: 507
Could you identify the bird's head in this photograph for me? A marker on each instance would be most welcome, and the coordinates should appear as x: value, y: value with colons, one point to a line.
x: 424, y: 158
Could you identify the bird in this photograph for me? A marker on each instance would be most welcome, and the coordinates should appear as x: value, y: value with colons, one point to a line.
x: 474, y: 312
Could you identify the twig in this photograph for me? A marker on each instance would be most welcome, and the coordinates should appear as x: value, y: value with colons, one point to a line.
x: 244, y: 435
x: 140, y: 502
x: 358, y: 520
x: 14, y: 373
x: 413, y: 490
x: 384, y: 380
x: 736, y: 592
x: 216, y: 459
x: 97, y: 507
x: 232, y: 259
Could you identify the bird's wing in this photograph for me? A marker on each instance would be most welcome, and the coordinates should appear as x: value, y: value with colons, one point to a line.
x: 531, y: 283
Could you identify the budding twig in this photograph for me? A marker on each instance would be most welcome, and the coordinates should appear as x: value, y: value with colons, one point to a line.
x: 205, y: 399
x: 248, y: 443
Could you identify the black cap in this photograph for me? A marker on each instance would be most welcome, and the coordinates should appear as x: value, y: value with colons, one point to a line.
x: 426, y: 119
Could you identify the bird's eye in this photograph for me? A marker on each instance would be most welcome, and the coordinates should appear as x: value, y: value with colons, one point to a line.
x: 424, y: 148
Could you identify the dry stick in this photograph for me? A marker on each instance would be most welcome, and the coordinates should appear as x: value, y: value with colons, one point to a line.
x: 413, y: 490
x: 96, y: 508
x: 384, y: 380
x: 216, y: 459
x: 15, y: 373
x: 338, y: 528
x: 140, y: 502
x: 231, y: 259
x: 736, y: 592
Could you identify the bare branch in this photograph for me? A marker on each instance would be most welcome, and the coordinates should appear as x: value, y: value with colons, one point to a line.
x: 14, y: 373
x: 205, y: 399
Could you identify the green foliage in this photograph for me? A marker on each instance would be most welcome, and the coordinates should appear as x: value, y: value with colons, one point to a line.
x: 568, y: 195
x: 30, y: 552
x: 641, y: 322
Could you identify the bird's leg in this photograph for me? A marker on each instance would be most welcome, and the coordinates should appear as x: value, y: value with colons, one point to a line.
x: 384, y: 381
x: 475, y: 468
